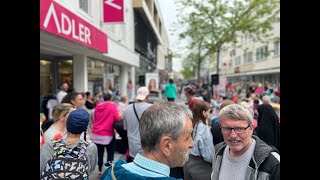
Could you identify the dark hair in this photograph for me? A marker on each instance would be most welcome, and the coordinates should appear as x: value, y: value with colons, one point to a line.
x: 197, y: 110
x: 123, y: 99
x: 85, y: 135
x: 88, y: 93
x: 106, y: 96
x: 171, y: 81
x: 71, y: 89
x: 224, y: 97
x: 70, y: 96
x: 190, y: 90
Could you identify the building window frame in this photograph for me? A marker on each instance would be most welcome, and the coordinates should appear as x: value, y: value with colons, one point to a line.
x: 262, y: 53
x: 276, y: 49
x: 237, y: 60
x: 84, y: 5
x: 247, y: 57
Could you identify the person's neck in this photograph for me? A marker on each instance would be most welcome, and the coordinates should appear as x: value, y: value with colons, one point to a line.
x: 60, y: 126
x: 72, y: 138
x: 156, y: 157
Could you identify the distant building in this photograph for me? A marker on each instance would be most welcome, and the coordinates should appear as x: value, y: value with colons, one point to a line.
x: 151, y: 40
x: 253, y: 61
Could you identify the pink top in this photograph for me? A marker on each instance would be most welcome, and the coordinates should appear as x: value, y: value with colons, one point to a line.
x: 105, y: 114
x: 259, y: 90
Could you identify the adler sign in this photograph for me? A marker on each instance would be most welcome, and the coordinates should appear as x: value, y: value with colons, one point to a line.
x: 58, y: 20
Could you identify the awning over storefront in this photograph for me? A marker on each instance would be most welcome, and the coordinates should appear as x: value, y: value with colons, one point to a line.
x: 258, y: 72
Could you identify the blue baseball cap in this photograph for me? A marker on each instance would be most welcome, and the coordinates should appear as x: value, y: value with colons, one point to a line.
x: 78, y: 121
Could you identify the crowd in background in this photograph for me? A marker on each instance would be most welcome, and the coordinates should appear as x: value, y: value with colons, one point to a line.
x: 106, y: 108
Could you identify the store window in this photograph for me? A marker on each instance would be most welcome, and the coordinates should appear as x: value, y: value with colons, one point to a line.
x: 53, y: 71
x: 96, y: 71
x: 46, y: 84
x: 112, y: 81
x: 103, y: 77
x: 65, y: 72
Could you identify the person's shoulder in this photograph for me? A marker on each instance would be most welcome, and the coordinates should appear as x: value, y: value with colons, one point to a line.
x: 271, y: 161
x: 92, y: 147
x: 129, y: 107
x: 47, y: 145
x: 90, y: 144
x: 220, y: 146
x: 113, y: 104
x: 203, y: 128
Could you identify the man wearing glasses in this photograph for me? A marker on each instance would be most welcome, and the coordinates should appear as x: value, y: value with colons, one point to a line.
x: 243, y: 155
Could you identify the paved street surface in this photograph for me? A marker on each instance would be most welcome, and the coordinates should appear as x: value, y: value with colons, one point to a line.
x: 94, y: 175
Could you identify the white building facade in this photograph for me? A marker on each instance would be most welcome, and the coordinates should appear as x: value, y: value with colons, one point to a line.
x: 253, y: 61
x: 77, y: 47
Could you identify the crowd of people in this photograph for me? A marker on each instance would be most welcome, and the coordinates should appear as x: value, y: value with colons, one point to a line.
x: 203, y: 137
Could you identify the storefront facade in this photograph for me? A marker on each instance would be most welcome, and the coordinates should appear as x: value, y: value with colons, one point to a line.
x: 78, y: 49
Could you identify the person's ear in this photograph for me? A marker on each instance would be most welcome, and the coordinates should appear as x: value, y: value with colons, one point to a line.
x: 166, y: 145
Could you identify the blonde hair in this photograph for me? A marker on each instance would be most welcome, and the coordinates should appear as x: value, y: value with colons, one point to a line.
x: 61, y: 110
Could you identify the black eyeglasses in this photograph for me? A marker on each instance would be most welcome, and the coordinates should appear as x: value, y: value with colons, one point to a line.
x: 238, y: 130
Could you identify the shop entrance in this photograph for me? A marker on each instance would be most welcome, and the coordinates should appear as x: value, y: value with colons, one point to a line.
x: 53, y: 71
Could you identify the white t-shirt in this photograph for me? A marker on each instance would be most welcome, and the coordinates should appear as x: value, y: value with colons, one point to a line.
x: 61, y: 95
x: 51, y: 103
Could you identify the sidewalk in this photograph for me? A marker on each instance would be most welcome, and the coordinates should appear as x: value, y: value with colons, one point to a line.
x: 94, y: 174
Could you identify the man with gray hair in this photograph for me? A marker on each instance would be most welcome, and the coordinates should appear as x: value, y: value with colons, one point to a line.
x: 243, y: 155
x: 165, y: 132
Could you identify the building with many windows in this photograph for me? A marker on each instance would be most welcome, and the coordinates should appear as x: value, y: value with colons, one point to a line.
x: 253, y: 61
x: 78, y: 47
x: 151, y: 40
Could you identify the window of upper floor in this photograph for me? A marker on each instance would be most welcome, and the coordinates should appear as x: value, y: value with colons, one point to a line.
x: 232, y: 52
x: 84, y: 5
x: 247, y: 58
x: 237, y: 60
x: 262, y: 53
x: 276, y: 48
x: 231, y: 63
x: 159, y: 28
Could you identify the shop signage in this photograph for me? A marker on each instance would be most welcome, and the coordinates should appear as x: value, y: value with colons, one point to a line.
x: 113, y: 11
x: 58, y: 20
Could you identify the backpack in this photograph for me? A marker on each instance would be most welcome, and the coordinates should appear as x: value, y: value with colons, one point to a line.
x: 67, y: 163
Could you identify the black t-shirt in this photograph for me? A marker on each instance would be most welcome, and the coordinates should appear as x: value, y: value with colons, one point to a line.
x: 89, y: 105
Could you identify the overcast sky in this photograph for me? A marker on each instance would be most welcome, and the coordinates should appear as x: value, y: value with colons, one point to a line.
x: 168, y: 11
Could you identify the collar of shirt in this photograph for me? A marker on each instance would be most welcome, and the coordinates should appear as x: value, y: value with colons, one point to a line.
x: 153, y: 168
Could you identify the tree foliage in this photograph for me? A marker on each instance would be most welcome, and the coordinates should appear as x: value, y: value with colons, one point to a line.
x: 209, y: 24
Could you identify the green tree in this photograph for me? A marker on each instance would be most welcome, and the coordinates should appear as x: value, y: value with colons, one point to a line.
x: 189, y: 66
x: 209, y: 24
